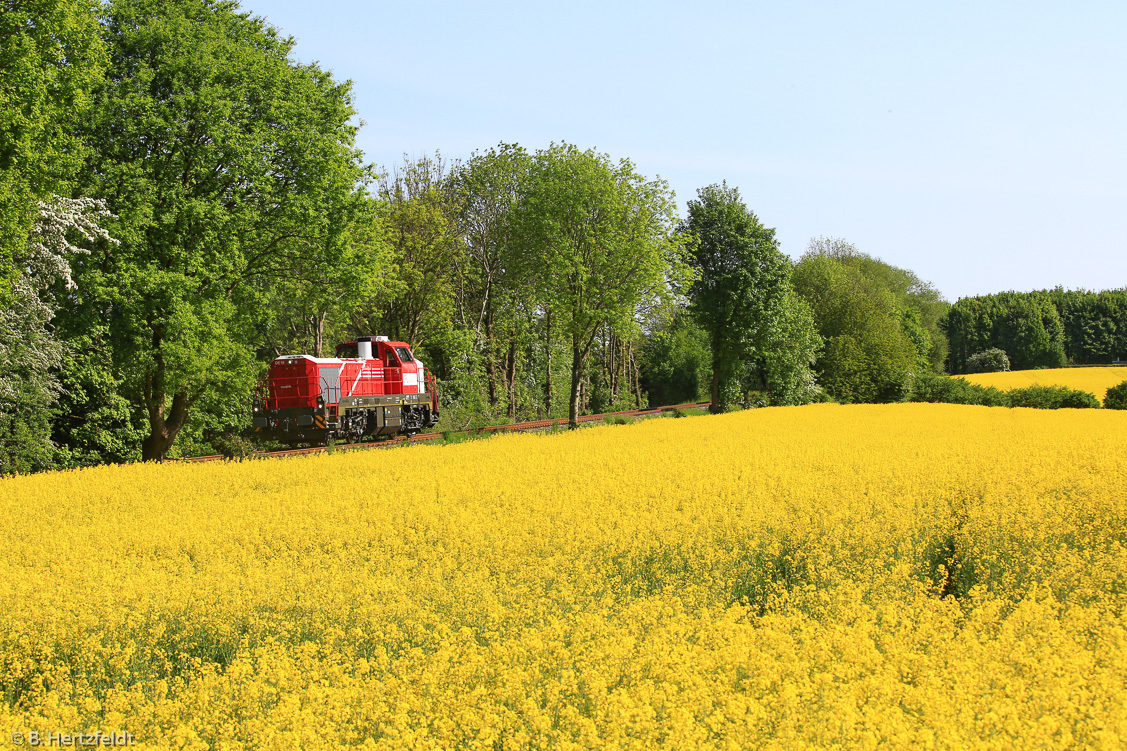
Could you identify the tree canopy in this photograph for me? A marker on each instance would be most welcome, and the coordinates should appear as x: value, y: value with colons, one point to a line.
x: 600, y: 240
x: 741, y: 297
x: 51, y: 56
x: 875, y: 344
x: 226, y: 163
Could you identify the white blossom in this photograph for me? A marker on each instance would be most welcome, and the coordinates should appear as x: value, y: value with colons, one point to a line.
x: 29, y: 351
x: 48, y: 251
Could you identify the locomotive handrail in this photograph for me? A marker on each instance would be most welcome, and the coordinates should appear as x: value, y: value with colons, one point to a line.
x: 366, y: 376
x: 432, y: 389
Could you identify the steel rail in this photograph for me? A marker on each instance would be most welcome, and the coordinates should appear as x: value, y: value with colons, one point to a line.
x: 516, y: 426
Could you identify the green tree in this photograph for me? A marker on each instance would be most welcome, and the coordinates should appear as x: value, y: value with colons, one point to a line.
x: 922, y: 305
x: 311, y: 310
x: 50, y: 58
x: 1094, y: 323
x: 416, y: 303
x: 493, y: 287
x: 600, y: 241
x: 1025, y: 325
x: 229, y: 165
x: 677, y: 362
x: 739, y: 295
x: 869, y: 355
x: 784, y: 367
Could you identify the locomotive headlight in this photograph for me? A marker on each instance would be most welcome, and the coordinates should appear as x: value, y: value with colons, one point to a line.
x: 320, y: 401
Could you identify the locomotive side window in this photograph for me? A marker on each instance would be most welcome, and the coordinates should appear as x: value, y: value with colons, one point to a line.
x: 404, y: 354
x: 391, y: 361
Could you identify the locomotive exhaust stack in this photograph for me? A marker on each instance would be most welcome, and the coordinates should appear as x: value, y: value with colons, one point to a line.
x: 364, y: 348
x: 373, y: 387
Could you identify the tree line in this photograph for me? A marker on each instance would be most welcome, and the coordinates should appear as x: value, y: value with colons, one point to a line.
x: 1043, y: 329
x: 182, y: 202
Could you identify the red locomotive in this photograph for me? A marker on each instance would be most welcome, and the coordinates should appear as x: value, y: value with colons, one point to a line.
x: 373, y: 387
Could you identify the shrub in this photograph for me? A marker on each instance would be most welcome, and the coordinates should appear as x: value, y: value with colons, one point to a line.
x: 754, y: 399
x: 1116, y: 397
x: 1052, y: 397
x: 940, y: 390
x: 991, y: 360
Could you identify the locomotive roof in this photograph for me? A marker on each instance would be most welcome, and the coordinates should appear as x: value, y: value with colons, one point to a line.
x: 375, y: 340
x: 309, y: 357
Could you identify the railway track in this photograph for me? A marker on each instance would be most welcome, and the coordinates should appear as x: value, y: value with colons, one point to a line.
x: 421, y: 437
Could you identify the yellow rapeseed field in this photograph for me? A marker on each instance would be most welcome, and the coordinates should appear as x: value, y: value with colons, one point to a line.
x: 895, y: 576
x: 1093, y: 380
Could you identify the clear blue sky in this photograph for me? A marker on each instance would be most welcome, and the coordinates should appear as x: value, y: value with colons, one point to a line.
x: 981, y: 144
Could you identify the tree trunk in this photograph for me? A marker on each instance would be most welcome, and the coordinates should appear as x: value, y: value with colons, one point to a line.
x: 163, y: 427
x: 490, y: 366
x: 319, y: 334
x: 163, y: 430
x: 612, y: 367
x: 511, y: 378
x: 548, y: 374
x: 717, y: 405
x: 637, y: 386
x: 576, y: 382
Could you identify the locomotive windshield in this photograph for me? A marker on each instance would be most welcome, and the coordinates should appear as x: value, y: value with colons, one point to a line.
x: 404, y: 354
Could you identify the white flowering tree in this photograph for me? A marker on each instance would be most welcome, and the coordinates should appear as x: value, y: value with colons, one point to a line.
x: 30, y: 353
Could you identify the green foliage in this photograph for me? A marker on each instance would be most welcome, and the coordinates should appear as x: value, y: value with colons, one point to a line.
x: 313, y: 311
x: 599, y: 242
x: 873, y: 349
x: 50, y: 58
x: 230, y: 168
x: 677, y: 362
x: 31, y: 353
x: 1094, y: 323
x: 1040, y: 329
x: 417, y: 298
x: 922, y: 305
x: 95, y: 423
x: 494, y: 287
x: 1116, y: 397
x: 1052, y: 397
x: 784, y: 371
x: 912, y: 328
x: 29, y: 358
x: 1025, y: 325
x: 740, y: 298
x: 24, y: 427
x: 992, y: 360
x: 943, y: 390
